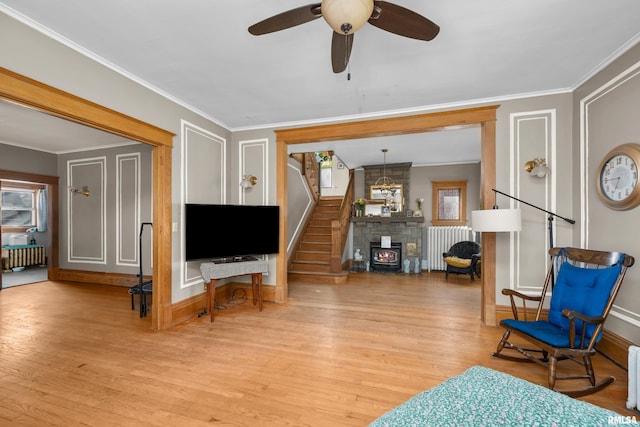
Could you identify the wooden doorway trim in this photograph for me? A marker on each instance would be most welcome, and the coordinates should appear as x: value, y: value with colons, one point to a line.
x: 483, y: 117
x: 47, y: 99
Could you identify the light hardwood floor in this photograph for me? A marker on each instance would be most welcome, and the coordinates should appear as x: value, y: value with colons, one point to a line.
x: 333, y: 355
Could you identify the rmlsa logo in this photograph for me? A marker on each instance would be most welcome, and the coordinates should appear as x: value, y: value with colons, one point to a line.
x: 619, y: 420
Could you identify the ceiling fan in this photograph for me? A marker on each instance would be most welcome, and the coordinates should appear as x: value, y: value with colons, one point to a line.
x: 346, y: 17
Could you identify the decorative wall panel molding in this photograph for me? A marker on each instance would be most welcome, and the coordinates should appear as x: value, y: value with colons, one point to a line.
x: 128, y: 181
x: 204, y: 172
x: 253, y: 160
x: 532, y: 135
x: 86, y: 219
x: 608, y: 117
x: 587, y: 174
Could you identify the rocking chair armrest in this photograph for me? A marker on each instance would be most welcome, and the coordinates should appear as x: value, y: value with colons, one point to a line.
x: 512, y: 293
x: 572, y: 314
x: 523, y: 298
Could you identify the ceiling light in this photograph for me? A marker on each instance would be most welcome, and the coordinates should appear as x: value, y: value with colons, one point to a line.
x: 346, y: 16
x: 384, y: 179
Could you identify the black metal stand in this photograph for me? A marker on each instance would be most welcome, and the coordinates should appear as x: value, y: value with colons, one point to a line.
x: 549, y: 220
x: 142, y: 288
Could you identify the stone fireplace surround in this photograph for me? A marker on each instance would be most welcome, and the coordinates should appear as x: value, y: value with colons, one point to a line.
x: 402, y: 230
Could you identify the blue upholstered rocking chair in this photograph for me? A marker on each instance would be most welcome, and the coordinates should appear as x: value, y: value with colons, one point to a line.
x: 584, y: 290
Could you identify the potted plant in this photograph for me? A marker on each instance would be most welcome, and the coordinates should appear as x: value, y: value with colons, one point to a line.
x: 419, y: 202
x: 360, y: 204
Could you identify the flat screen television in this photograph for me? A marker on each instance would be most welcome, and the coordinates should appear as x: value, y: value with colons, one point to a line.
x: 230, y: 232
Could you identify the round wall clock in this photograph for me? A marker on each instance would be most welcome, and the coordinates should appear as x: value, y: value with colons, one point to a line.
x: 617, y: 184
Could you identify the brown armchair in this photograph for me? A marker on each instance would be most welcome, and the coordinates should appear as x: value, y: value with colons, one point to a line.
x: 463, y: 258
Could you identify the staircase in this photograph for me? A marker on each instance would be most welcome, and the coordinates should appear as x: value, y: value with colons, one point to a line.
x: 312, y: 257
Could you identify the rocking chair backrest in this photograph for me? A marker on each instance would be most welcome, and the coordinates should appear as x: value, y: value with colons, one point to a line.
x: 587, y: 282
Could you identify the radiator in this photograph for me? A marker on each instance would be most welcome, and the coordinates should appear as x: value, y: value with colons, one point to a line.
x: 634, y: 378
x: 22, y: 256
x: 441, y: 238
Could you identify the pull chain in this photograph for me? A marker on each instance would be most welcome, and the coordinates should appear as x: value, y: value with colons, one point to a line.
x: 347, y: 56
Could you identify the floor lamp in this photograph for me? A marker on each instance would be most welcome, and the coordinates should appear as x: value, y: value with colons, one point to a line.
x: 549, y: 218
x: 502, y: 220
x: 496, y: 220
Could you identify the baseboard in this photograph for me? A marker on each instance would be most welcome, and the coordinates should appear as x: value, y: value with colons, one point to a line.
x: 188, y: 308
x: 193, y: 306
x: 99, y: 277
x: 615, y: 347
x: 180, y: 311
x: 611, y: 345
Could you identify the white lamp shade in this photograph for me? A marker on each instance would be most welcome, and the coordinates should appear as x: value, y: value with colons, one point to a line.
x: 496, y: 220
x: 352, y: 12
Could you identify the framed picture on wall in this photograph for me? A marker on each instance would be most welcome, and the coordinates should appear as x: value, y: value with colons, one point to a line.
x: 385, y: 211
x: 449, y: 203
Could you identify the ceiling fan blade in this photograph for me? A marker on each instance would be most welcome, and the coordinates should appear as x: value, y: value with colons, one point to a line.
x: 287, y: 19
x: 340, y: 51
x: 404, y: 22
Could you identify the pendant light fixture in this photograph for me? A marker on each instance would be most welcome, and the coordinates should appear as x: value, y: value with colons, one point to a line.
x: 385, y: 183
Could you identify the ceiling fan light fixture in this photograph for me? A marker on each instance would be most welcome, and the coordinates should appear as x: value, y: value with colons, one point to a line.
x: 346, y: 16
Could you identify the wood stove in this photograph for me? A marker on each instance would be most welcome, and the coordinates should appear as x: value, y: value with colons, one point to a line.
x: 385, y: 259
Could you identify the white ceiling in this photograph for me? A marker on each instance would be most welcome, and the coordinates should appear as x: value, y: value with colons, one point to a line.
x: 199, y: 53
x: 28, y: 128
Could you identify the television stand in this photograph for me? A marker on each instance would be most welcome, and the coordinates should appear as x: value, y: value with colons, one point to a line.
x: 212, y: 272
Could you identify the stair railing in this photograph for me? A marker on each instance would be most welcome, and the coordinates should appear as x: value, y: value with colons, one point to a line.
x: 340, y: 227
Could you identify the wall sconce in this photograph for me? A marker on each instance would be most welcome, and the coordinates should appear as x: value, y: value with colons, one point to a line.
x: 248, y: 181
x: 85, y: 191
x: 537, y: 167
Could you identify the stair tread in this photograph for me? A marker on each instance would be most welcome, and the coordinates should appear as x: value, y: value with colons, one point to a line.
x: 313, y: 256
x: 319, y: 273
x: 304, y: 261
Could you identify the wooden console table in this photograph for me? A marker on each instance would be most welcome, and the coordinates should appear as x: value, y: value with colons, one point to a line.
x: 213, y: 272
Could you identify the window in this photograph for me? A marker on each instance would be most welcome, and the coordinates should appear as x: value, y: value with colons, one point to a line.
x: 325, y: 162
x: 19, y: 206
x: 449, y: 202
